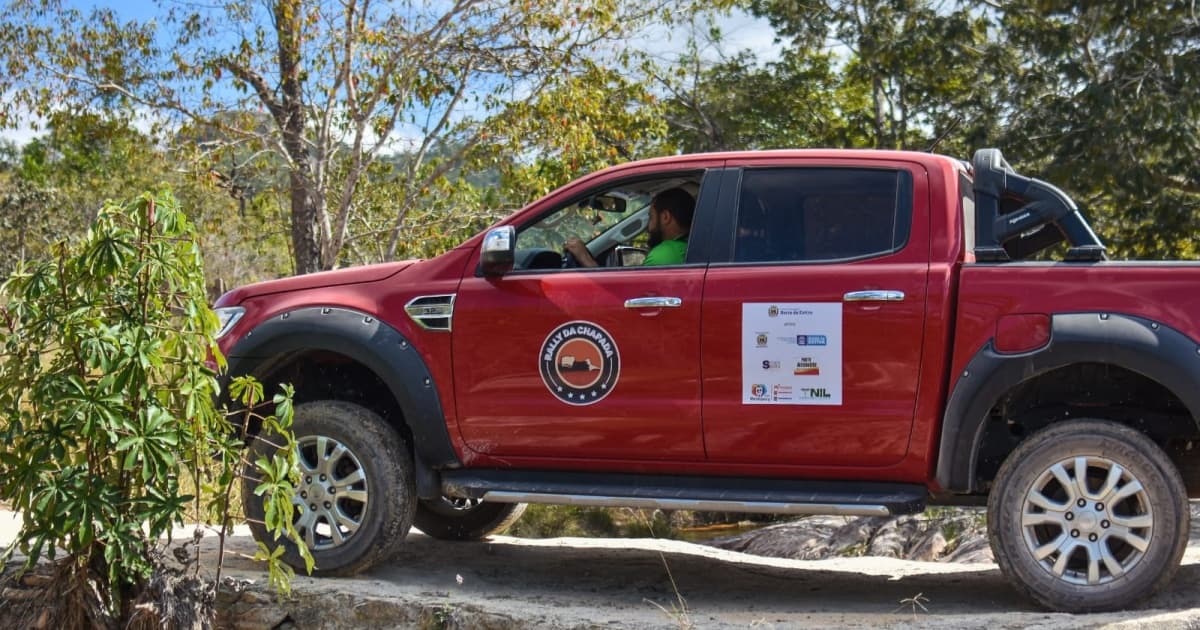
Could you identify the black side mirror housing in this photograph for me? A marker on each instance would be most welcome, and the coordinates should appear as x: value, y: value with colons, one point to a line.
x: 499, y: 251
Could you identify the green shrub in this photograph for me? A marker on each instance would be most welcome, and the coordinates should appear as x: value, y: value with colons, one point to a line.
x: 107, y: 410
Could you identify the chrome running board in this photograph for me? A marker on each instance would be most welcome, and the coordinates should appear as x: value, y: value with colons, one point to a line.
x: 685, y: 492
x: 698, y: 505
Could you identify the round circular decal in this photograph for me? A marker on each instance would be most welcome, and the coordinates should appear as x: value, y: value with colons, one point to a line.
x: 579, y: 363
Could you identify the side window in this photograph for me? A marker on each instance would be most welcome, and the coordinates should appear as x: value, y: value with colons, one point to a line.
x: 817, y: 214
x: 613, y: 222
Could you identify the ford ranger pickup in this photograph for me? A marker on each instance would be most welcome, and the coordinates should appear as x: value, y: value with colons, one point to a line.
x: 863, y: 333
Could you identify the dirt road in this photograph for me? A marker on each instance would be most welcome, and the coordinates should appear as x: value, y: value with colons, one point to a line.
x: 587, y: 583
x: 583, y: 583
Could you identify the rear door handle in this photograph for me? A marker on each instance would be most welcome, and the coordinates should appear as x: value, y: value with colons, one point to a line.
x: 654, y: 302
x: 876, y: 295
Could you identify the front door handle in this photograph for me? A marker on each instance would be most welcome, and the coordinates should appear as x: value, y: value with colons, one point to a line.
x: 654, y: 302
x: 877, y: 295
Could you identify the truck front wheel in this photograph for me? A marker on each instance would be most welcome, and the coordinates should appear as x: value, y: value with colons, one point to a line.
x: 1088, y: 515
x: 465, y: 519
x: 356, y: 498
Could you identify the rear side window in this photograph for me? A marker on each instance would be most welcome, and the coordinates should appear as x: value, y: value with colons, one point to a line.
x: 821, y: 214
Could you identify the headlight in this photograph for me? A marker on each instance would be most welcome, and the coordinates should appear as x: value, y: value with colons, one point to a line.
x: 227, y: 317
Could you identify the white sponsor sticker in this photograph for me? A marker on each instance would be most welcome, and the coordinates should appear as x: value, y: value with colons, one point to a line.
x: 792, y: 353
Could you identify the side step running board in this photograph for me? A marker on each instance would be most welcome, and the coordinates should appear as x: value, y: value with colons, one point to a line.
x: 713, y: 494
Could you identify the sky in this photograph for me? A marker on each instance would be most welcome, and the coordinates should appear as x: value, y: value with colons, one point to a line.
x: 739, y: 30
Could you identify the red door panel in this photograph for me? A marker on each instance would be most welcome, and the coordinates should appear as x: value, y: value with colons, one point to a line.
x: 881, y: 355
x: 509, y: 356
x: 880, y: 343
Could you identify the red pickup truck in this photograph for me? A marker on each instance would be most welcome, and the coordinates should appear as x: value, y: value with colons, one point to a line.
x: 850, y: 332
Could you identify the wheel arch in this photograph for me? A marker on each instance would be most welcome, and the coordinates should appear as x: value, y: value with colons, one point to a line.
x: 1126, y: 344
x: 328, y: 346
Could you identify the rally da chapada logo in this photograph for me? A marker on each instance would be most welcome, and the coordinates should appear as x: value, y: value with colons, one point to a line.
x: 579, y: 363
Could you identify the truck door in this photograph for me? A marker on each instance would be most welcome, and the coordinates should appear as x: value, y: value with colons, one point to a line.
x: 814, y: 313
x: 575, y: 364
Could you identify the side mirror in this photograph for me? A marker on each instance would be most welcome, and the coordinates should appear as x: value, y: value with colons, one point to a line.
x: 499, y: 251
x: 630, y: 256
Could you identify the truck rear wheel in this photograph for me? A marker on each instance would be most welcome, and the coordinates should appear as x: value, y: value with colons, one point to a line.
x: 465, y: 519
x: 1088, y: 515
x: 356, y: 498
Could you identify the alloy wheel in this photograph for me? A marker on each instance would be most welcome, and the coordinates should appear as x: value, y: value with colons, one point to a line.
x: 1087, y: 520
x: 332, y: 493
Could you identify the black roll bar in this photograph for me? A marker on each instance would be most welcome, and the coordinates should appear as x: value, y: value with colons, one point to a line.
x: 1018, y: 216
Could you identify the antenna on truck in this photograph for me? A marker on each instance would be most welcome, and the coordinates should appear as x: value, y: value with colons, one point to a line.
x: 1018, y: 216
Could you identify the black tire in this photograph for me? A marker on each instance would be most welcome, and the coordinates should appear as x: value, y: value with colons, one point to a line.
x: 461, y: 519
x: 1078, y: 541
x: 388, y: 503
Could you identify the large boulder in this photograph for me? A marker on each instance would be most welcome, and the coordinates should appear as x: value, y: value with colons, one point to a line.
x: 942, y: 535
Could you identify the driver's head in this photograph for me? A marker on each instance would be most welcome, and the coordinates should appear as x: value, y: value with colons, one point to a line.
x: 670, y: 215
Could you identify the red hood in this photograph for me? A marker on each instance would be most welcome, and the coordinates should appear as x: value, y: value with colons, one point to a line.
x: 352, y: 275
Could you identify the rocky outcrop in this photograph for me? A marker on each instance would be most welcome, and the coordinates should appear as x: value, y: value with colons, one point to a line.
x: 941, y: 535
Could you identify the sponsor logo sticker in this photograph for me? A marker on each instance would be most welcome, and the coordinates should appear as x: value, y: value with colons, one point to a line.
x: 579, y: 363
x: 812, y: 340
x: 807, y: 367
x: 758, y: 391
x: 772, y: 311
x: 770, y: 365
x: 815, y: 393
x: 761, y: 340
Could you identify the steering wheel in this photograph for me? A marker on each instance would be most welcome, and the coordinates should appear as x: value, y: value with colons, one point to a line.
x: 569, y: 261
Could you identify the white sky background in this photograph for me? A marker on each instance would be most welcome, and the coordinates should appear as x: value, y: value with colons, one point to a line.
x: 739, y: 30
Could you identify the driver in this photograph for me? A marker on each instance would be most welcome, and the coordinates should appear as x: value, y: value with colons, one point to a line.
x: 670, y: 221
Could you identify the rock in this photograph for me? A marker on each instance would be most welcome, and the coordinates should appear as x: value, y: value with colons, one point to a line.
x: 929, y: 547
x: 924, y: 537
x: 801, y: 539
x: 972, y: 550
x: 250, y: 609
x: 254, y: 617
x: 809, y: 538
x: 893, y: 537
x: 848, y: 540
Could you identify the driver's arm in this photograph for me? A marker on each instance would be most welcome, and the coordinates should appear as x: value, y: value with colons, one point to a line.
x: 579, y: 250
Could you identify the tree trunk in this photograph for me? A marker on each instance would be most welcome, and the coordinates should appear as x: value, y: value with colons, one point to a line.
x: 306, y: 246
x: 880, y: 123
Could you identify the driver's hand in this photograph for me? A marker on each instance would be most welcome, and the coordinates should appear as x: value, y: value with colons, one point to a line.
x: 576, y: 247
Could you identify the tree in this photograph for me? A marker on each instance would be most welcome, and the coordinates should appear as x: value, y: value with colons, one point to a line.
x: 110, y: 433
x: 28, y: 223
x: 921, y: 64
x: 1106, y: 102
x: 581, y: 123
x: 342, y: 81
x: 51, y: 188
x: 734, y: 101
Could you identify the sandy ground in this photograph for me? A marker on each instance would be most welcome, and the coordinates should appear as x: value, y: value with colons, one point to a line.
x: 586, y: 583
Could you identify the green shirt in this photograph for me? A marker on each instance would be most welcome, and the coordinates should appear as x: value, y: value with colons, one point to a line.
x: 672, y: 252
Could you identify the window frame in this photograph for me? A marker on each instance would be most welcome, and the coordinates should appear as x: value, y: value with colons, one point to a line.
x: 724, y: 247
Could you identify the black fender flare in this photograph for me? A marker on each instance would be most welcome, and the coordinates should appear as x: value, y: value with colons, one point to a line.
x: 1149, y: 348
x: 374, y: 344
